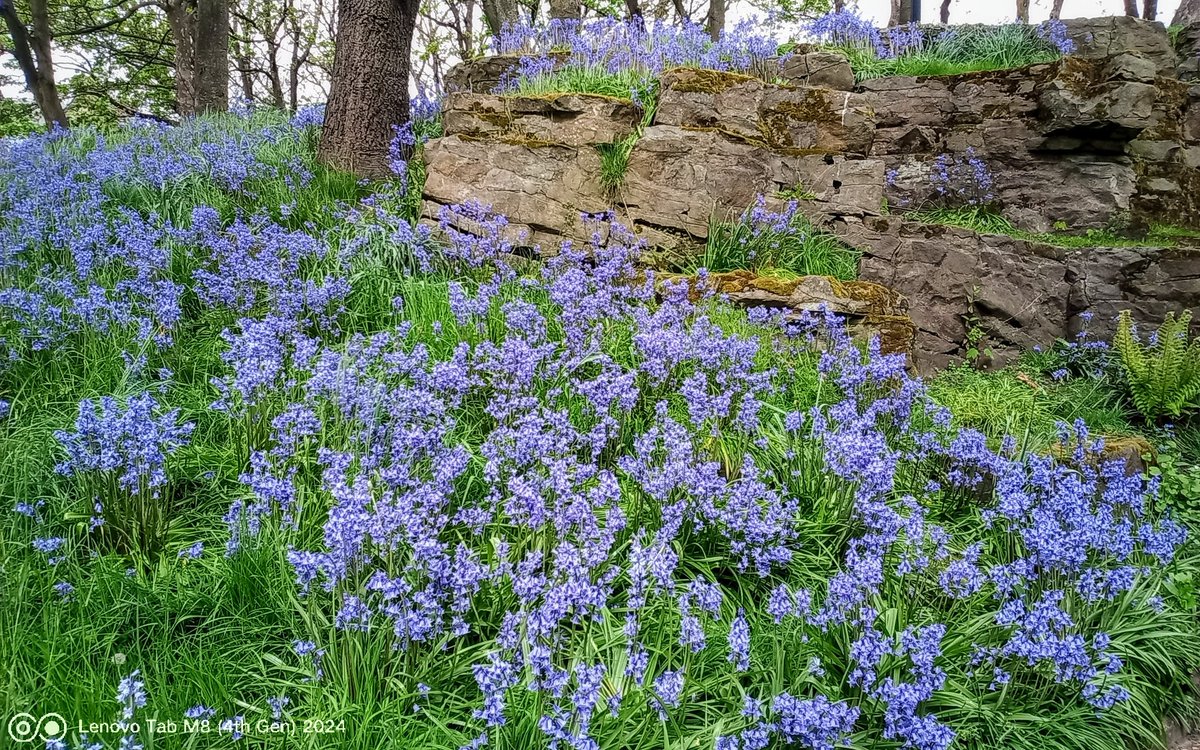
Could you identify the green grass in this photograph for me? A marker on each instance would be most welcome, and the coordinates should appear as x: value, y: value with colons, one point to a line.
x: 985, y: 220
x: 961, y: 50
x: 801, y: 250
x: 219, y: 630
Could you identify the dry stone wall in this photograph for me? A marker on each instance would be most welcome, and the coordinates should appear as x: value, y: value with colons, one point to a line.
x: 1106, y: 139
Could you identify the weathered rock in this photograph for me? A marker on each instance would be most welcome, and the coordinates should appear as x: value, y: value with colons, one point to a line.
x: 541, y: 189
x: 1187, y: 52
x: 567, y: 119
x: 1019, y: 294
x: 485, y: 75
x: 1149, y: 281
x: 782, y: 117
x: 822, y: 68
x: 678, y: 178
x: 869, y: 309
x: 1101, y: 38
x: 1081, y: 98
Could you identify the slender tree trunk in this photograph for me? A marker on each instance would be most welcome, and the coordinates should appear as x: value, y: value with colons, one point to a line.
x: 1056, y: 9
x: 1188, y: 12
x: 212, y: 55
x: 567, y: 10
x: 33, y: 53
x: 944, y: 12
x: 1023, y: 11
x: 369, y: 92
x: 714, y: 22
x: 181, y: 19
x: 1131, y: 8
x: 498, y: 14
x: 1150, y: 10
x: 633, y: 9
x: 242, y: 61
x: 839, y: 6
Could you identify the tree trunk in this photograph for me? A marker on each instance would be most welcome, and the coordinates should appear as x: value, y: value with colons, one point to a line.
x: 243, y: 63
x: 182, y: 21
x: 498, y: 14
x: 33, y: 53
x: 944, y: 12
x: 212, y: 55
x: 1056, y: 9
x: 839, y: 6
x: 1131, y: 8
x: 1187, y: 12
x: 633, y: 9
x: 714, y: 22
x: 1023, y: 11
x: 369, y: 92
x: 568, y: 10
x: 894, y: 16
x: 1150, y: 10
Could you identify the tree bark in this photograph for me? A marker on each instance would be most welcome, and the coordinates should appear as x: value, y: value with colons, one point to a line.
x: 182, y: 21
x: 1150, y: 10
x: 212, y: 56
x: 34, y: 57
x: 1131, y: 8
x: 1187, y: 12
x: 1056, y: 9
x: 894, y: 16
x: 839, y: 6
x: 944, y: 12
x: 633, y: 9
x: 498, y: 14
x: 1023, y: 11
x: 369, y: 92
x: 714, y: 22
x: 567, y: 10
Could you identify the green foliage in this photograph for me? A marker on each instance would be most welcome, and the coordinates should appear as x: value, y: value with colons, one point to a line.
x: 1179, y: 490
x: 800, y: 250
x: 614, y: 157
x: 1163, y: 375
x: 18, y: 118
x: 622, y: 84
x: 961, y: 49
x: 986, y: 220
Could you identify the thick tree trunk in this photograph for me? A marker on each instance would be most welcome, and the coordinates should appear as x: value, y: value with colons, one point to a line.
x: 212, y: 55
x: 1187, y: 12
x: 896, y: 11
x: 1023, y: 11
x: 568, y: 10
x: 944, y: 12
x: 1056, y: 9
x: 369, y: 93
x: 181, y: 19
x: 33, y: 53
x: 498, y: 14
x: 1131, y: 8
x: 714, y: 22
x: 1150, y: 10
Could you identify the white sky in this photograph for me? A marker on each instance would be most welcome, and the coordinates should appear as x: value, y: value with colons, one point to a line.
x: 995, y: 11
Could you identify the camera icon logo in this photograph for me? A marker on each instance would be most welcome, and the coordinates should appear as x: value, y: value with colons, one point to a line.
x: 23, y: 727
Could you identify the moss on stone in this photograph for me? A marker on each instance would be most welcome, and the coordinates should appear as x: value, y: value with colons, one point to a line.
x: 759, y: 142
x: 705, y: 81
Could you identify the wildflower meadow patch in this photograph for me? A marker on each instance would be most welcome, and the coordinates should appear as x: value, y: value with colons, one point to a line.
x: 287, y: 467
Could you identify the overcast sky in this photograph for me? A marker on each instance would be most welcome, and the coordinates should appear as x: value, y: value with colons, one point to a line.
x: 994, y: 11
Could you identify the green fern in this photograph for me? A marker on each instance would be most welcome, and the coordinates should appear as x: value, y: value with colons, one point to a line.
x: 1163, y: 374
